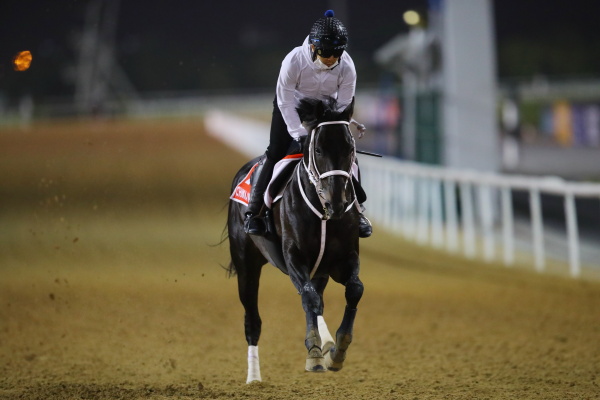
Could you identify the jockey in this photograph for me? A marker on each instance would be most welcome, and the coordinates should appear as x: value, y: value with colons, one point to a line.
x: 319, y: 68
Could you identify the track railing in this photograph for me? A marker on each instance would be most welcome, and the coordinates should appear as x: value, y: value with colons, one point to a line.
x: 454, y: 210
x: 466, y: 212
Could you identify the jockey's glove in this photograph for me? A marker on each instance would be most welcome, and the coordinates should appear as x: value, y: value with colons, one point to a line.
x: 360, y: 127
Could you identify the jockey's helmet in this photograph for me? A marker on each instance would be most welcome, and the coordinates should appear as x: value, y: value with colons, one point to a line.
x: 329, y: 36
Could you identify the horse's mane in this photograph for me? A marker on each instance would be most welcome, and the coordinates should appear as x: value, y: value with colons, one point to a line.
x: 314, y: 111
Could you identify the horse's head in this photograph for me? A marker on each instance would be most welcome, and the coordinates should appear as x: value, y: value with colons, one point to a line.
x: 330, y: 153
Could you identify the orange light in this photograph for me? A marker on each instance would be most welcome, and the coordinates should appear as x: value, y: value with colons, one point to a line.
x: 22, y: 61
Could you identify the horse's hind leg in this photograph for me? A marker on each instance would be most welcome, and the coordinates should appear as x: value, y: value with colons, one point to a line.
x: 334, y: 359
x: 248, y: 279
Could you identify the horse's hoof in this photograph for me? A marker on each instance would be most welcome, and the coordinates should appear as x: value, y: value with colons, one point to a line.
x: 315, y: 364
x: 330, y: 363
x: 327, y: 346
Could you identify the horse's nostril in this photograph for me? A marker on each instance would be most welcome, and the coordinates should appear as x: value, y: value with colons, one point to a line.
x: 327, y: 204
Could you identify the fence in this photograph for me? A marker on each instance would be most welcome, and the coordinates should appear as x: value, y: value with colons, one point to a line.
x: 447, y: 209
x: 437, y: 207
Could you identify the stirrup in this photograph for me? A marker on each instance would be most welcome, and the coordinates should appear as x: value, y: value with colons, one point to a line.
x: 254, y: 225
x: 364, y: 227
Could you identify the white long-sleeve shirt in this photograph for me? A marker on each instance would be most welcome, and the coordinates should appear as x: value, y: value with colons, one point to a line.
x: 300, y: 77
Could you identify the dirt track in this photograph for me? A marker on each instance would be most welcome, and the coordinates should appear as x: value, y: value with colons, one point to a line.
x: 110, y: 288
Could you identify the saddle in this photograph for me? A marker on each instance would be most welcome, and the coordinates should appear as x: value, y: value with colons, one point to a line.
x: 282, y: 173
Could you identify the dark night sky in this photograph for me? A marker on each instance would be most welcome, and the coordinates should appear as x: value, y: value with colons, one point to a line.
x: 201, y: 45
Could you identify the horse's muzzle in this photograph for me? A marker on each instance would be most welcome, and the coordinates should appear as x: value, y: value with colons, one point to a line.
x: 331, y: 212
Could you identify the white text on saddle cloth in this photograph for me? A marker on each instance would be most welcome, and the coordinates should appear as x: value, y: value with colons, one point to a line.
x: 241, y: 193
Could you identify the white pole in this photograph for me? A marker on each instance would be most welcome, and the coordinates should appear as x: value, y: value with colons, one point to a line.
x: 423, y: 206
x: 451, y: 223
x: 487, y: 222
x: 466, y: 202
x: 507, y: 227
x: 409, y: 208
x: 437, y: 233
x: 398, y: 198
x: 537, y: 227
x: 572, y: 233
x: 386, y: 193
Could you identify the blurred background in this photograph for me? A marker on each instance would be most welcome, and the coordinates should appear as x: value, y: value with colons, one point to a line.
x: 501, y: 86
x: 537, y: 60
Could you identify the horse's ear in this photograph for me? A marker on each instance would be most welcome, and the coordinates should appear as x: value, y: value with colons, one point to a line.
x: 347, y: 113
x: 306, y: 110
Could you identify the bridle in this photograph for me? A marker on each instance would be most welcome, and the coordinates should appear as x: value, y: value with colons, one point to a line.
x: 316, y: 177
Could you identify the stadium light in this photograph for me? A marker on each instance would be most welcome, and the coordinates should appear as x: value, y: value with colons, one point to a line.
x: 411, y: 17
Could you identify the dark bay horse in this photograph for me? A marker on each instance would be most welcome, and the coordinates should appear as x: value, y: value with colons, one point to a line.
x: 313, y: 236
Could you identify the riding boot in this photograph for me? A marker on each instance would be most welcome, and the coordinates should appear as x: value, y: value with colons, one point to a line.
x: 364, y: 225
x: 254, y: 223
x: 365, y: 229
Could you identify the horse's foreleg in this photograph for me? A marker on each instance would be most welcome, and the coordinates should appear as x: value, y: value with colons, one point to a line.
x: 311, y: 303
x: 334, y: 359
x: 327, y: 341
x: 326, y: 338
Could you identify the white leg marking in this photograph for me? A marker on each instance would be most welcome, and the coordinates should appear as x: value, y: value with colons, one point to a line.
x: 253, y: 365
x: 327, y: 341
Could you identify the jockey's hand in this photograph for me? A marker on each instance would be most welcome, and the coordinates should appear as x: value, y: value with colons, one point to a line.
x: 297, y: 146
x: 360, y: 127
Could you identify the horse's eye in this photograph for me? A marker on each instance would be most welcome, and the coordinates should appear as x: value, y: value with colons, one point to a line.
x: 318, y: 151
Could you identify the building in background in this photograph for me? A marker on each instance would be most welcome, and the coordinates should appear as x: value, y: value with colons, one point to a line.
x: 447, y: 67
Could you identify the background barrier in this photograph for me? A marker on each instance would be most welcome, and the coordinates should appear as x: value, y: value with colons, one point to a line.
x: 460, y: 211
x: 438, y: 207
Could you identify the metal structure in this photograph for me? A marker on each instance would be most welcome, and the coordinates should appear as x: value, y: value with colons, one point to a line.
x: 100, y: 84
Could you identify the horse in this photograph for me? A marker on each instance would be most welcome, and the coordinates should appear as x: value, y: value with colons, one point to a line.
x: 312, y: 236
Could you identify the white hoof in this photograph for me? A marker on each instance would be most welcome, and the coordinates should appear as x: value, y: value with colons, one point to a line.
x: 315, y: 364
x: 315, y: 361
x: 327, y: 346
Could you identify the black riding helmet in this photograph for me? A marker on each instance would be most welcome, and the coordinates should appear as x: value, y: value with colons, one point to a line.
x: 329, y: 36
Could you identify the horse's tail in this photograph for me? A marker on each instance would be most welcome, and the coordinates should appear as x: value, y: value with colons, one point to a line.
x: 231, y: 271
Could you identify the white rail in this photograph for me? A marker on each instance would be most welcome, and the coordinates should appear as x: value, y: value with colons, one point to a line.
x: 437, y: 206
x: 447, y: 209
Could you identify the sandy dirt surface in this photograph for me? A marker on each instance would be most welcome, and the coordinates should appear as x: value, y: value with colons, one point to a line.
x: 111, y: 287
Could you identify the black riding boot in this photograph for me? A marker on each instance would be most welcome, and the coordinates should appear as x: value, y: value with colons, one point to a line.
x: 254, y: 224
x: 364, y: 225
